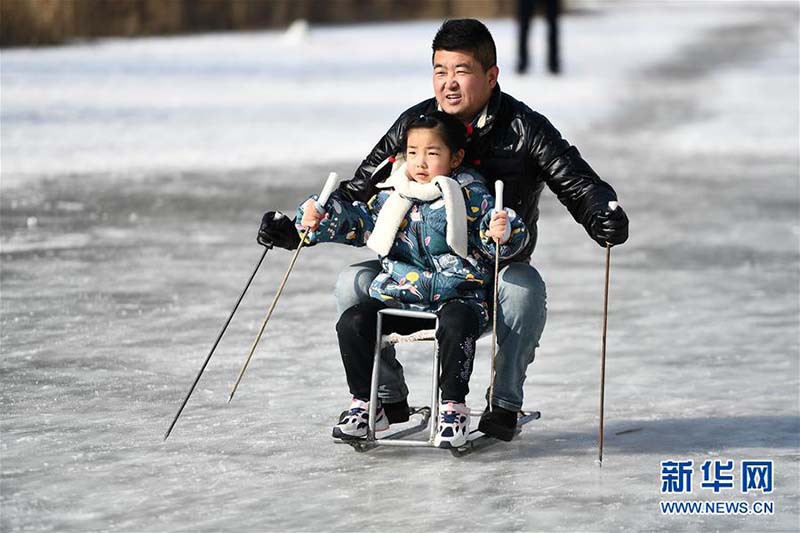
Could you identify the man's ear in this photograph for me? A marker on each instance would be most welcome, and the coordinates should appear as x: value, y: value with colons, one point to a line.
x: 492, y: 74
x: 457, y: 159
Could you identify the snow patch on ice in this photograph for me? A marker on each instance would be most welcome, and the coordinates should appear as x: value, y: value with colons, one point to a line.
x: 21, y: 242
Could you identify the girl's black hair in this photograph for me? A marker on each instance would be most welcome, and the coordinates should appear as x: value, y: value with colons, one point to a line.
x: 452, y: 130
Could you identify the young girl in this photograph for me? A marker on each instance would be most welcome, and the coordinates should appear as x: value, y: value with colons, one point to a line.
x: 433, y: 228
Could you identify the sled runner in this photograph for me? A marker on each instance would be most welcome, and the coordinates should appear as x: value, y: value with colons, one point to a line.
x: 476, y: 440
x: 423, y: 418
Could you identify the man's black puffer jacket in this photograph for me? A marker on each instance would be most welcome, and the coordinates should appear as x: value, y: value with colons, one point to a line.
x: 515, y: 145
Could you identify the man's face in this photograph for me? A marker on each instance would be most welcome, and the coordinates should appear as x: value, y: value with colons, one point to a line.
x: 460, y: 84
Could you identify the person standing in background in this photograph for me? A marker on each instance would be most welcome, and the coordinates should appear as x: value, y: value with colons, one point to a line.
x: 525, y: 10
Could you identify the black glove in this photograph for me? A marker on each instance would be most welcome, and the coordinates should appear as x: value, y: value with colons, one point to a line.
x: 609, y: 227
x: 277, y: 229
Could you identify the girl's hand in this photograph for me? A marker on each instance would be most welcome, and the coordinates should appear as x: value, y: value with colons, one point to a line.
x: 498, y: 227
x: 311, y: 217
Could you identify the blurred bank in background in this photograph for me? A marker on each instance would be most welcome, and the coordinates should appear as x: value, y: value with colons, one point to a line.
x: 47, y: 22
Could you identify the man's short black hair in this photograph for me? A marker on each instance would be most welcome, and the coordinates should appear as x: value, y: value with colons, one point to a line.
x: 469, y: 35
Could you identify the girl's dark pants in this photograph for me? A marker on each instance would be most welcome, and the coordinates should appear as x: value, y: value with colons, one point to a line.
x: 455, y: 338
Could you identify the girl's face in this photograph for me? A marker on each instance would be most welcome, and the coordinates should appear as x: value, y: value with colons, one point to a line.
x: 428, y: 156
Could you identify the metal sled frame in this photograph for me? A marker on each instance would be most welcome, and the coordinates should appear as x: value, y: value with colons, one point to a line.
x: 429, y: 415
x: 384, y: 340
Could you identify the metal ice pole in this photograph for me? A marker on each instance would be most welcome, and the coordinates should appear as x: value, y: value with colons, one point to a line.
x: 373, y: 388
x: 498, y: 206
x: 330, y: 183
x: 216, y: 342
x: 434, y: 421
x: 612, y: 205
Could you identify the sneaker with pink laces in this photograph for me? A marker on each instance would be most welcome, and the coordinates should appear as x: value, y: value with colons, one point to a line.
x: 453, y: 425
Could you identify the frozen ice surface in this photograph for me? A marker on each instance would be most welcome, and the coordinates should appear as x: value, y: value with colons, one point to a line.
x: 134, y: 175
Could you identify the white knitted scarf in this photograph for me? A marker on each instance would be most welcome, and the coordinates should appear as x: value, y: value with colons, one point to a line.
x: 400, y: 200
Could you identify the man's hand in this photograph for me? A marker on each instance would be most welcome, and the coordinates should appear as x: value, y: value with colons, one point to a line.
x: 610, y: 227
x: 277, y: 229
x: 311, y: 217
x: 499, y: 229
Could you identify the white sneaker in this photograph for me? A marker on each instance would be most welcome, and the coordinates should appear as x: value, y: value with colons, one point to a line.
x: 355, y: 422
x: 453, y: 425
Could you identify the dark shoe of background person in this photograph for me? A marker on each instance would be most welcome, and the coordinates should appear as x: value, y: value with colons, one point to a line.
x: 397, y: 412
x: 499, y: 423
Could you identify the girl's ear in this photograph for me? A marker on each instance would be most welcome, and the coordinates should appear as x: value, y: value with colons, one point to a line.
x: 457, y: 159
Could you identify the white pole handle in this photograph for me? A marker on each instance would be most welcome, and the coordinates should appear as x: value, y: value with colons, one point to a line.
x: 613, y: 205
x: 498, y: 196
x: 330, y: 185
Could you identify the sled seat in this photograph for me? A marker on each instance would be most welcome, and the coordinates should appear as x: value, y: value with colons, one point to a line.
x: 395, y: 338
x: 391, y: 339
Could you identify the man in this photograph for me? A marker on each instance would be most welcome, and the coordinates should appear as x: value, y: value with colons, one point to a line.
x: 509, y: 142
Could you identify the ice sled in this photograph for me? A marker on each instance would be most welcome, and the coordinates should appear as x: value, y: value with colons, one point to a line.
x: 421, y: 418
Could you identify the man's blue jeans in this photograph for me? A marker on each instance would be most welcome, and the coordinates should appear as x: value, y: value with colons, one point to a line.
x: 521, y: 316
